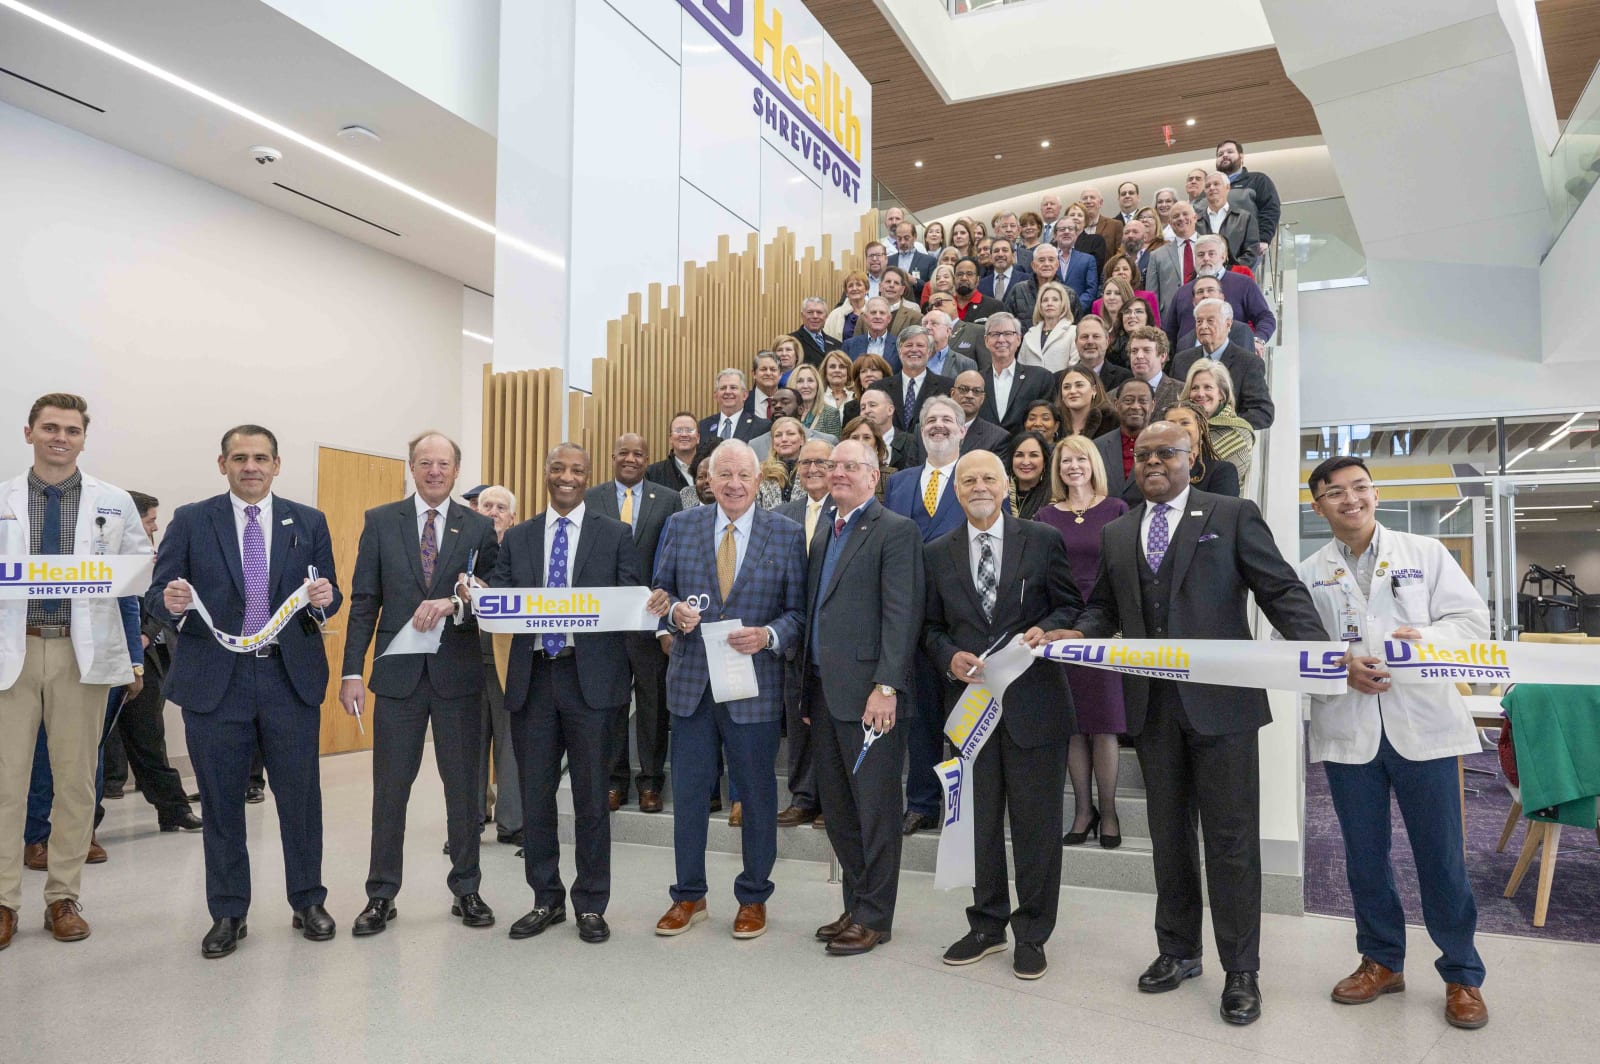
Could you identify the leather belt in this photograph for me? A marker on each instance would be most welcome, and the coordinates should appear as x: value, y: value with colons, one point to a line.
x: 271, y: 650
x: 51, y: 631
x: 566, y: 652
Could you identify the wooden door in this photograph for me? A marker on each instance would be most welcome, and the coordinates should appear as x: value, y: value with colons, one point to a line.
x: 349, y: 484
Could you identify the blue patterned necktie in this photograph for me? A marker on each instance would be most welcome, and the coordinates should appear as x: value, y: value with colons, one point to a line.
x: 1156, y: 549
x: 50, y: 536
x: 556, y: 642
x: 911, y: 403
x: 256, y: 607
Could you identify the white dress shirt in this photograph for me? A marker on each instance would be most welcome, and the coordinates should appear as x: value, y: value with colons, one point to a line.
x: 763, y: 404
x: 1002, y: 281
x: 240, y: 519
x: 1003, y: 380
x: 422, y: 516
x: 920, y: 380
x: 1216, y: 218
x: 996, y: 533
x: 1174, y: 515
x: 573, y: 531
x: 944, y: 482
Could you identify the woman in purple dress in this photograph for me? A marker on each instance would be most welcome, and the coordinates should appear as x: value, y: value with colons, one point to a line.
x: 1080, y: 511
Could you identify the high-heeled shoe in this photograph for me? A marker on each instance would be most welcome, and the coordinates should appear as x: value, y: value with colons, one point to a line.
x: 1109, y: 841
x: 1077, y: 838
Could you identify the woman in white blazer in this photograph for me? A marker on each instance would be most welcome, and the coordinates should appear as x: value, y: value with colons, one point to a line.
x: 1372, y: 587
x: 1051, y: 342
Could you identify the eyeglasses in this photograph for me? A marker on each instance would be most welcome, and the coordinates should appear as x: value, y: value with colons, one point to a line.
x: 1165, y: 454
x: 829, y: 465
x: 968, y: 389
x: 1004, y: 332
x: 815, y: 463
x: 1359, y: 491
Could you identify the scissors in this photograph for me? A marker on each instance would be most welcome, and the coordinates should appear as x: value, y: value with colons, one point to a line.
x: 698, y: 602
x: 322, y: 618
x: 869, y: 735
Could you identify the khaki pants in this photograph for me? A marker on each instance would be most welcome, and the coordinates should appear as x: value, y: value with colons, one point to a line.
x: 73, y: 712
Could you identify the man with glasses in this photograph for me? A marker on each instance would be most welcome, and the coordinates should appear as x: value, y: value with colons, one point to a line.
x: 1213, y: 321
x: 939, y: 322
x: 1241, y: 292
x: 974, y: 306
x: 966, y: 337
x: 1135, y: 405
x: 682, y: 441
x: 1373, y: 584
x: 982, y: 434
x: 1180, y: 566
x: 1010, y: 387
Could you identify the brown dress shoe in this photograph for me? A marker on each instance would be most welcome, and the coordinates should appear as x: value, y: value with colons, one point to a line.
x: 8, y: 925
x: 794, y: 816
x: 1367, y: 983
x: 682, y: 916
x: 853, y: 940
x: 736, y: 815
x: 62, y: 920
x: 36, y: 855
x: 1464, y: 1007
x: 649, y: 801
x: 97, y: 852
x: 614, y: 800
x: 751, y: 921
x: 829, y: 932
x: 819, y: 823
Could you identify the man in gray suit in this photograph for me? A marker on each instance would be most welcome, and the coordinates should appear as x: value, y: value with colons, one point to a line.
x: 943, y: 359
x: 864, y: 588
x: 809, y: 508
x: 1172, y: 265
x: 1135, y: 406
x: 644, y: 507
x: 413, y: 554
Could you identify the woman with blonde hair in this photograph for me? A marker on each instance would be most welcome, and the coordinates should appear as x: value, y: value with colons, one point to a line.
x: 943, y: 280
x: 815, y: 414
x: 787, y: 350
x: 842, y: 319
x: 1209, y: 385
x: 1081, y: 509
x: 777, y: 472
x: 1051, y: 341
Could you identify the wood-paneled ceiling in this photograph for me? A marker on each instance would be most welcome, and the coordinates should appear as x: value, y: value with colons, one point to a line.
x: 1106, y: 120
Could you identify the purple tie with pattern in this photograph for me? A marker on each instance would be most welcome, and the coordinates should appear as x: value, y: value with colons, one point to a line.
x: 256, y: 607
x: 556, y: 642
x: 1156, y: 549
x: 430, y: 548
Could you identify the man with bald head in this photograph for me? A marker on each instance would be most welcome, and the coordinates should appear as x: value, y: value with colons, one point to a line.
x: 1050, y: 213
x: 1173, y: 265
x: 409, y: 566
x: 644, y: 507
x: 982, y: 435
x: 1181, y: 566
x: 1020, y: 584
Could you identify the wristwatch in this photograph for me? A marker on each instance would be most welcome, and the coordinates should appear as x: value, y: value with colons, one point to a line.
x: 885, y: 690
x: 138, y: 670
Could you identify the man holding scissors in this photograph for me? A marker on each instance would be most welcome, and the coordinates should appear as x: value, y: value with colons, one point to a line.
x: 1019, y: 583
x: 865, y: 590
x: 243, y: 555
x: 413, y: 556
x: 724, y: 562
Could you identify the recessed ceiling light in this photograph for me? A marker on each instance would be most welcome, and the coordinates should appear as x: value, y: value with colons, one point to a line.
x: 997, y: 155
x: 918, y: 164
x: 358, y: 133
x: 1189, y: 122
x: 1044, y: 144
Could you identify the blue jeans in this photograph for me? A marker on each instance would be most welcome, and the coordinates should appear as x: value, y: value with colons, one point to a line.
x: 1429, y: 793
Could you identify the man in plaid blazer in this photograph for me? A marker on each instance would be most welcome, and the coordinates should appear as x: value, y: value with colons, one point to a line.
x: 729, y: 561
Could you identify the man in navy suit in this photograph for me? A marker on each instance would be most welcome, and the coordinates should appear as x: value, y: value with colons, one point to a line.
x: 242, y: 554
x: 562, y: 693
x: 732, y: 421
x: 814, y: 343
x: 1009, y: 387
x: 998, y: 281
x: 874, y: 338
x: 924, y: 494
x: 729, y: 561
x: 918, y: 265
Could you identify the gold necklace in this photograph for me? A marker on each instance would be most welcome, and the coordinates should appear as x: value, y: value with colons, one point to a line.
x: 1077, y: 514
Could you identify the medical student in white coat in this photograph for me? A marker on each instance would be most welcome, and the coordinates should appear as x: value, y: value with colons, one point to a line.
x: 59, y: 658
x: 1372, y: 584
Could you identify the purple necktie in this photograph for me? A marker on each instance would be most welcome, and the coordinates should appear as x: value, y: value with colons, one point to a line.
x: 1157, y: 547
x: 256, y: 607
x: 556, y: 642
x: 430, y: 548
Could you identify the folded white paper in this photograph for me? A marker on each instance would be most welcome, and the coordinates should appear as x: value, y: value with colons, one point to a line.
x: 733, y: 675
x: 410, y: 641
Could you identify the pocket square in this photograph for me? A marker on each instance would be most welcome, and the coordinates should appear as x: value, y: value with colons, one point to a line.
x: 1209, y: 536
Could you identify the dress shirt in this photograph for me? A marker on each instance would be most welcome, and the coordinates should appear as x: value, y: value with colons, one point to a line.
x: 422, y: 515
x: 813, y: 514
x: 1155, y: 382
x: 683, y: 468
x: 1127, y: 453
x: 937, y: 359
x: 944, y: 482
x: 888, y: 436
x: 741, y: 543
x: 920, y: 380
x: 872, y: 286
x: 1126, y: 218
x: 1174, y: 515
x: 1361, y: 568
x: 59, y: 611
x: 576, y: 528
x: 638, y: 500
x: 997, y: 534
x: 819, y: 338
x: 732, y: 422
x: 1002, y: 282
x: 1179, y: 242
x: 240, y: 519
x: 1003, y: 380
x: 1216, y: 218
x: 875, y: 344
x: 903, y: 259
x: 763, y: 404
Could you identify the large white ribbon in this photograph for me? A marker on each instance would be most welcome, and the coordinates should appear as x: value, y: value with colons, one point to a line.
x: 248, y: 644
x: 71, y: 576
x: 1421, y: 662
x: 969, y: 726
x: 1316, y: 668
x: 563, y: 609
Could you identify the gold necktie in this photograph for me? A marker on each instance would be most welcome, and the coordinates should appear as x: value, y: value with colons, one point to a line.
x: 627, y: 506
x: 727, y: 562
x: 930, y: 498
x: 813, y: 511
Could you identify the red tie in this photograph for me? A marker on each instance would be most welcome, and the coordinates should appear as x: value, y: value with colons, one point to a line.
x: 838, y: 527
x: 1188, y: 262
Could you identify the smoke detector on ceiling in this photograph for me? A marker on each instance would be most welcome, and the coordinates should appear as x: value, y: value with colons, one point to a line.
x: 358, y: 134
x: 264, y: 155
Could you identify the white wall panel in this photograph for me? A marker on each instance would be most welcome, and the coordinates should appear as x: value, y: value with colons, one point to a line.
x: 659, y: 20
x: 700, y: 221
x: 721, y: 154
x: 625, y: 152
x: 789, y: 200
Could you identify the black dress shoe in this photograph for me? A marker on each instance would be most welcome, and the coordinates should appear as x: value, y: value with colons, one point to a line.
x: 973, y: 947
x: 114, y: 792
x: 1241, y: 999
x: 537, y: 921
x: 186, y: 822
x: 193, y: 799
x: 314, y: 923
x: 473, y: 910
x: 1167, y: 972
x: 255, y: 796
x: 915, y: 822
x: 592, y: 927
x: 1028, y: 961
x: 223, y: 938
x: 375, y: 917
x: 508, y: 838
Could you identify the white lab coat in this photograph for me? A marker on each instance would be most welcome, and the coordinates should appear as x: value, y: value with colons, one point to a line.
x: 98, y: 638
x: 1422, y: 721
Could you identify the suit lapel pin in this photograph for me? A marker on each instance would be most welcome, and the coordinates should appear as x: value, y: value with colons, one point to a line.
x: 453, y: 531
x: 287, y: 521
x: 1196, y: 513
